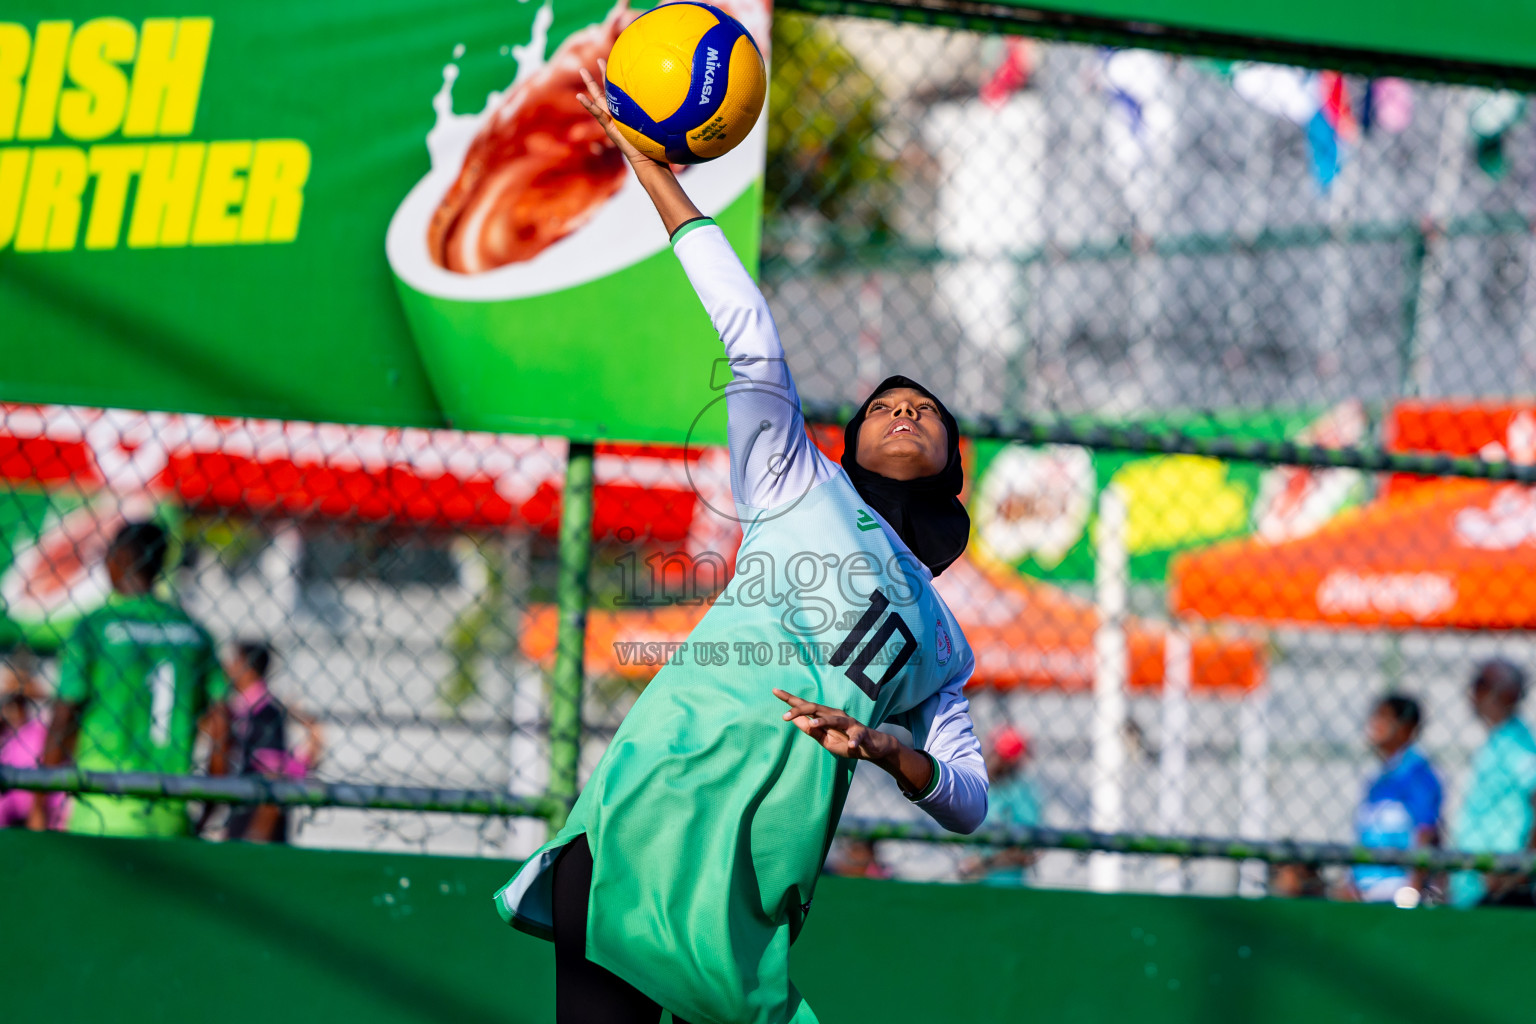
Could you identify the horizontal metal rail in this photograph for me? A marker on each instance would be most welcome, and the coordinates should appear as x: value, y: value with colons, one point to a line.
x: 1276, y: 238
x: 491, y: 803
x: 1278, y: 851
x: 249, y: 789
x: 1161, y: 441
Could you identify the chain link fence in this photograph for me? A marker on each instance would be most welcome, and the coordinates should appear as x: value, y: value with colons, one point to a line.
x: 1134, y: 262
x: 1071, y: 237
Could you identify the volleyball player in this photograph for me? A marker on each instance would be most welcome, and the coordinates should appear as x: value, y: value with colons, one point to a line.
x: 688, y: 864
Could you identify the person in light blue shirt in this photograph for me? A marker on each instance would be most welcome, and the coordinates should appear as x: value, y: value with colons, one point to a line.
x: 1011, y: 803
x: 1496, y: 810
x: 1401, y: 806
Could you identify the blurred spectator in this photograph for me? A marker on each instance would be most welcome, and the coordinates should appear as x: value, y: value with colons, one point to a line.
x: 136, y: 676
x: 1293, y: 880
x: 858, y: 859
x: 258, y: 742
x: 1401, y: 808
x: 312, y: 751
x: 22, y: 735
x: 1011, y: 803
x: 1496, y: 812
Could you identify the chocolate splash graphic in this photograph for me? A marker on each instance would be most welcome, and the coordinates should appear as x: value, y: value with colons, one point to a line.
x: 538, y: 170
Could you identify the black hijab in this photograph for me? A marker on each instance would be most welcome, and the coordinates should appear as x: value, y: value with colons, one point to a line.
x: 926, y: 513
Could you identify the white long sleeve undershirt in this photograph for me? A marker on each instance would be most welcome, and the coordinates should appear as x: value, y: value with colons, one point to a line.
x: 773, y: 461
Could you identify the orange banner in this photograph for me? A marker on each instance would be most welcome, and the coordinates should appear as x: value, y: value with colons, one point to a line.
x: 1458, y: 554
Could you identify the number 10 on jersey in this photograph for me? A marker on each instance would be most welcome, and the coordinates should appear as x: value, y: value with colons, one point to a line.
x: 893, y: 624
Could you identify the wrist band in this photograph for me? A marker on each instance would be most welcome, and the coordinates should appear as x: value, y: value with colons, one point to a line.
x: 933, y: 780
x: 689, y: 225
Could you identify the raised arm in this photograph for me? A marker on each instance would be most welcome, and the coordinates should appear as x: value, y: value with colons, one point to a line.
x: 772, y: 460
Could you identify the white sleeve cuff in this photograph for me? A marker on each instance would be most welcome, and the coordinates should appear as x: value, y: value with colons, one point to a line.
x: 956, y: 796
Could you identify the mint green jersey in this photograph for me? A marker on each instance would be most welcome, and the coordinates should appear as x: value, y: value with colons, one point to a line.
x: 142, y: 672
x: 709, y: 816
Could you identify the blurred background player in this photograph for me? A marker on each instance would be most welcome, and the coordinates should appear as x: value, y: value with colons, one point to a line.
x: 1496, y: 812
x: 23, y: 734
x: 1401, y: 806
x: 1011, y: 803
x: 137, y: 677
x: 258, y: 741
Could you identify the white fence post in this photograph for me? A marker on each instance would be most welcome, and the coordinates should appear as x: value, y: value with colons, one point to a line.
x: 1111, y: 668
x: 1173, y: 760
x: 1253, y: 784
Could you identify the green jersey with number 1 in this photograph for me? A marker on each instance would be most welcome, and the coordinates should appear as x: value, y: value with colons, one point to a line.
x: 142, y: 672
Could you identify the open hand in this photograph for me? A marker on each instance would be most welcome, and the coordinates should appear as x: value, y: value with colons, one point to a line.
x: 656, y: 177
x: 596, y: 104
x: 842, y: 735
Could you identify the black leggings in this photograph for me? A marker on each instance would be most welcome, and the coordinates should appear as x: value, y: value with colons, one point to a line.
x: 584, y: 992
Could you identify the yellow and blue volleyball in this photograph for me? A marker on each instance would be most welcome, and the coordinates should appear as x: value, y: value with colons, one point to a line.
x: 685, y: 82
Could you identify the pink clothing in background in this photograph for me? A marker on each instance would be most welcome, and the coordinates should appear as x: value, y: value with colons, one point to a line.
x: 278, y: 762
x: 243, y: 705
x: 23, y: 748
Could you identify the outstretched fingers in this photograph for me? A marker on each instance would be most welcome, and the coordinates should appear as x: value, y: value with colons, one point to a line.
x: 593, y: 99
x: 800, y: 707
x: 818, y: 720
x: 595, y: 102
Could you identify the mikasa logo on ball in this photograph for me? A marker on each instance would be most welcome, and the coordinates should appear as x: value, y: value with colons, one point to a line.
x: 711, y: 62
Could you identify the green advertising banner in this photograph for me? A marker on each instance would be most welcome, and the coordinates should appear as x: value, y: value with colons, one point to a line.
x: 389, y: 212
x: 1496, y: 32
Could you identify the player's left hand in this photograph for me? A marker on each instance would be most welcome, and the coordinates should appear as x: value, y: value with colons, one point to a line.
x: 842, y: 735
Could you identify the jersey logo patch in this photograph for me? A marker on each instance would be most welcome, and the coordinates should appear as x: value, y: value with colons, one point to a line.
x: 865, y: 521
x: 942, y: 642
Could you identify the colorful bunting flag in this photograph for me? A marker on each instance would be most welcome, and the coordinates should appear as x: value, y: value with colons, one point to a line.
x: 1492, y: 116
x: 1317, y: 101
x: 1011, y: 75
x: 1388, y: 105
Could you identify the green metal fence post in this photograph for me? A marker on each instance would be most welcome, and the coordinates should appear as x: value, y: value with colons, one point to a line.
x: 1408, y: 342
x: 570, y: 644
